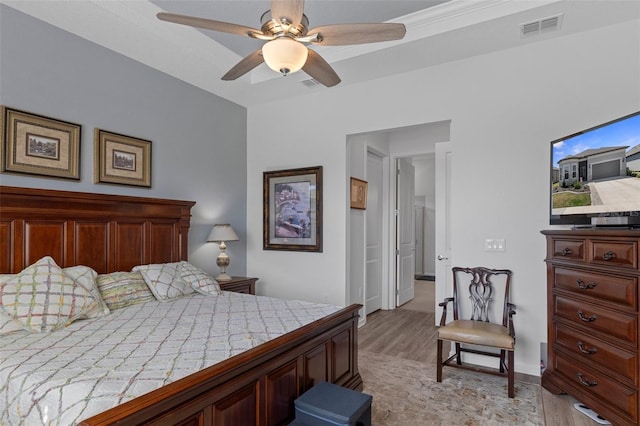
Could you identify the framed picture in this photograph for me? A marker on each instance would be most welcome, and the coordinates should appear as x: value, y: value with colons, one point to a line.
x: 358, y: 194
x: 39, y: 145
x: 293, y: 210
x: 122, y: 159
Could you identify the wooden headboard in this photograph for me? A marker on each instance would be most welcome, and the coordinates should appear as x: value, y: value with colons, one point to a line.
x: 106, y: 232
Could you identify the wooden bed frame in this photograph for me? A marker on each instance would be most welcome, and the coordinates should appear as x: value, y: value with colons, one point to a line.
x: 114, y: 233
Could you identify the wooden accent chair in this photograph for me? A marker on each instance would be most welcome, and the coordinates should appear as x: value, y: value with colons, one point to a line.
x: 479, y: 330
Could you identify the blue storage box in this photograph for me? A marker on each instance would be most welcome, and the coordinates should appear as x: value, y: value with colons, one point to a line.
x: 329, y: 404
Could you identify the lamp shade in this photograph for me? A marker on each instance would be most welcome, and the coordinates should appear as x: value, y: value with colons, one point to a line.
x: 285, y: 55
x: 222, y: 232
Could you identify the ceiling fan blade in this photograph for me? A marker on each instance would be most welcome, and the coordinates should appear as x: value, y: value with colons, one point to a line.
x: 245, y: 65
x: 208, y: 24
x: 320, y: 70
x: 291, y: 10
x: 344, y: 34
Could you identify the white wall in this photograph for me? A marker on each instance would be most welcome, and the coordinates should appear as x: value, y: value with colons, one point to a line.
x: 505, y: 108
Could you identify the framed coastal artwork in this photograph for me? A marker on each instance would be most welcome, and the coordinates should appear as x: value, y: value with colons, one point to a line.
x: 292, y: 209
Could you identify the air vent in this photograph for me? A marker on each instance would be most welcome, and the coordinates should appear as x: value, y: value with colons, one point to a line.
x: 539, y: 26
x: 311, y: 82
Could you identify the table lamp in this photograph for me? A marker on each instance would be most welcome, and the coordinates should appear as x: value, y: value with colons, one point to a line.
x: 222, y: 233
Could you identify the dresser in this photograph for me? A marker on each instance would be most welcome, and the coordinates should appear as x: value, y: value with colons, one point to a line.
x: 592, y: 320
x: 239, y: 285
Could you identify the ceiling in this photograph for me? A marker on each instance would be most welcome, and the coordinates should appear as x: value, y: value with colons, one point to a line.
x: 319, y: 13
x: 438, y: 31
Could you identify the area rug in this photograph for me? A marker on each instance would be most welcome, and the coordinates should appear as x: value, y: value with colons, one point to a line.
x: 405, y: 393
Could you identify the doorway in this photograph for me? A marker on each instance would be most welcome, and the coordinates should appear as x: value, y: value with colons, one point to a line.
x: 416, y: 143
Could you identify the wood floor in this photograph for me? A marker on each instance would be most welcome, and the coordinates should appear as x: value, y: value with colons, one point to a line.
x: 410, y: 334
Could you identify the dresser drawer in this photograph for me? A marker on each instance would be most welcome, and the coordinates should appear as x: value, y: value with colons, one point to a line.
x: 614, y: 253
x: 582, y: 345
x: 602, y: 387
x: 569, y: 249
x: 615, y: 324
x: 612, y: 288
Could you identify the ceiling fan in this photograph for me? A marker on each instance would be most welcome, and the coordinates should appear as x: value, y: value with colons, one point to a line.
x: 285, y: 30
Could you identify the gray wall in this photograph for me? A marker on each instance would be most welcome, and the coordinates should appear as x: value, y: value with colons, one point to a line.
x: 198, y: 139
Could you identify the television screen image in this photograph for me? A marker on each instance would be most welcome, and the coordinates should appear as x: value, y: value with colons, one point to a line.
x: 595, y: 175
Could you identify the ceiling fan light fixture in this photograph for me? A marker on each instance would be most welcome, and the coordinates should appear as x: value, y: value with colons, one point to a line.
x: 285, y: 55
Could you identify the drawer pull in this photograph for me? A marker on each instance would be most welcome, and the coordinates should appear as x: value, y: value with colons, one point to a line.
x: 593, y: 317
x: 566, y: 251
x: 608, y: 255
x: 586, y: 382
x: 583, y: 286
x: 586, y: 351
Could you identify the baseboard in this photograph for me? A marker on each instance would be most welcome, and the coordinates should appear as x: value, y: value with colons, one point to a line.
x: 526, y: 378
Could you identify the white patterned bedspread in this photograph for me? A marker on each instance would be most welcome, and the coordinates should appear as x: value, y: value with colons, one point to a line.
x: 62, y: 377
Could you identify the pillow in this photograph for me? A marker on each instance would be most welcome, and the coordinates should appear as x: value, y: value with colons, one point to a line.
x: 42, y: 298
x: 164, y: 280
x: 198, y: 280
x: 86, y: 277
x: 122, y: 289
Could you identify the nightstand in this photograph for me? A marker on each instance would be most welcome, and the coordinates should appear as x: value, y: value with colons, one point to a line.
x: 239, y: 285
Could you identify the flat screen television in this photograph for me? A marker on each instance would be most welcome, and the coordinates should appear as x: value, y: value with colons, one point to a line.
x: 595, y: 175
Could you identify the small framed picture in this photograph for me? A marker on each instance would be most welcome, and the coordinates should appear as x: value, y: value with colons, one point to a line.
x: 293, y: 209
x: 121, y: 159
x: 38, y: 145
x: 358, y: 194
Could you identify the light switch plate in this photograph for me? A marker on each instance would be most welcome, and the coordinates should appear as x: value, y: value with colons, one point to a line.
x: 495, y: 244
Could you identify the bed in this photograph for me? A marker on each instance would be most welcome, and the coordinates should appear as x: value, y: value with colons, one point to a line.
x: 112, y: 233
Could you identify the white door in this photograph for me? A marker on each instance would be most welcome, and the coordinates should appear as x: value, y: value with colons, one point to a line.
x: 443, y: 224
x: 405, y: 230
x: 419, y: 257
x: 373, y: 276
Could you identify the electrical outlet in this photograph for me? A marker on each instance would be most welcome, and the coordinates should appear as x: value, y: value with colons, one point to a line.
x: 495, y: 244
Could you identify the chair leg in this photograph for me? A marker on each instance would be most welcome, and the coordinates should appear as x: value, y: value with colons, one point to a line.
x: 439, y: 362
x: 510, y: 374
x: 458, y: 354
x: 502, y: 353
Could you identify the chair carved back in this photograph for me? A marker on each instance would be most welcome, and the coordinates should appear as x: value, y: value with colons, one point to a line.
x: 481, y: 290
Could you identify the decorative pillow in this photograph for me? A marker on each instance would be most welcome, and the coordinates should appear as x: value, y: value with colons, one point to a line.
x: 86, y: 277
x: 122, y: 289
x: 198, y: 280
x: 42, y: 298
x: 164, y: 280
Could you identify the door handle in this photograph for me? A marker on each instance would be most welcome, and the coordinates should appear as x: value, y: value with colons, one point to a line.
x: 442, y: 258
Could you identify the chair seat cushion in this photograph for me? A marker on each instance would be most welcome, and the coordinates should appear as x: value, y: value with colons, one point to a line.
x: 477, y: 333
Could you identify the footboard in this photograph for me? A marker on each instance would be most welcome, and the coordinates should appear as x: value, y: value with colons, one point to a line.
x: 256, y: 387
